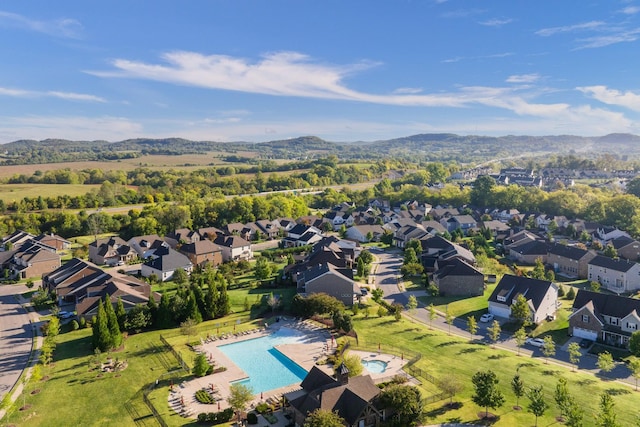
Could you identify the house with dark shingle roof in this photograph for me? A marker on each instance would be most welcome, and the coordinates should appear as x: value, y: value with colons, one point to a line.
x: 617, y: 275
x: 455, y: 277
x: 527, y: 251
x: 354, y: 399
x: 203, y: 252
x: 111, y: 251
x: 569, y: 261
x: 181, y: 236
x: 234, y: 248
x: 541, y: 296
x: 164, y: 262
x: 33, y: 259
x: 627, y: 248
x: 607, y: 318
x: 330, y: 280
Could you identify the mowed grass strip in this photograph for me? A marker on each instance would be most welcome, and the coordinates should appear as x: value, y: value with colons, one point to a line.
x: 16, y: 192
x: 449, y: 355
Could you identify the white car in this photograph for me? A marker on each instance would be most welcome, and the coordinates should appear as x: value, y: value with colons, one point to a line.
x: 487, y: 317
x: 536, y: 342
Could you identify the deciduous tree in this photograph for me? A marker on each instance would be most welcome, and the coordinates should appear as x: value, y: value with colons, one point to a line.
x: 487, y: 394
x: 537, y: 405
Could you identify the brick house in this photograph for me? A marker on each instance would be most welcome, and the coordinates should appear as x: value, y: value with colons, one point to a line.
x: 569, y: 261
x: 203, y: 252
x: 617, y: 275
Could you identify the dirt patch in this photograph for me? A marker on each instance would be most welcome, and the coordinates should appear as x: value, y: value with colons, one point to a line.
x: 25, y: 407
x: 36, y: 391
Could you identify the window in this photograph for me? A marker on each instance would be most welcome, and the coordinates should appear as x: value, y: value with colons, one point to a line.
x: 585, y: 318
x: 502, y: 299
x: 632, y: 326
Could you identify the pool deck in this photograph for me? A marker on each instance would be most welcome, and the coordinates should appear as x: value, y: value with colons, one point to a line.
x: 306, y: 354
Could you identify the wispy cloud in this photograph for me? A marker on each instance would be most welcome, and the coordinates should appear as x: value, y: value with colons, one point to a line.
x: 523, y: 78
x: 408, y: 90
x: 496, y: 22
x: 609, y: 39
x: 603, y: 94
x: 63, y: 27
x: 630, y: 10
x: 71, y: 96
x: 546, y: 32
x: 467, y: 58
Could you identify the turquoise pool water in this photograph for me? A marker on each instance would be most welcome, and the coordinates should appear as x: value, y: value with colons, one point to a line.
x: 374, y: 366
x: 266, y: 367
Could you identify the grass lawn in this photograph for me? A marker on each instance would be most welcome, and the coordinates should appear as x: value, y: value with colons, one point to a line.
x: 413, y: 283
x: 446, y: 355
x: 11, y: 192
x: 462, y: 307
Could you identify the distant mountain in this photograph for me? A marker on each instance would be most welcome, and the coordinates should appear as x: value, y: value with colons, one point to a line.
x: 428, y: 147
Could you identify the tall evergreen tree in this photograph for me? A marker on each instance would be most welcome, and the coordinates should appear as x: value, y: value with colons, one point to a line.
x: 224, y: 304
x: 121, y: 315
x: 165, y: 316
x: 112, y: 323
x: 200, y: 302
x: 210, y: 300
x: 102, y: 337
x: 192, y: 308
x: 153, y: 310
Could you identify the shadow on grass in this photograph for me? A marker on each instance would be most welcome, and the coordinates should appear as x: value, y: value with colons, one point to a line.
x: 470, y: 350
x: 618, y: 391
x: 444, y: 409
x: 448, y: 343
x: 551, y: 372
x: 586, y: 381
x: 423, y: 336
x: 497, y: 356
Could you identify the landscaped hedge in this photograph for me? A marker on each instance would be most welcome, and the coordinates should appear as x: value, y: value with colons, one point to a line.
x: 203, y: 396
x: 216, y: 417
x: 252, y: 418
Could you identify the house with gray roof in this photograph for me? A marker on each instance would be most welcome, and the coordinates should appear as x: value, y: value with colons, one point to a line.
x: 354, y: 399
x: 330, y: 280
x: 606, y: 318
x: 164, y: 262
x: 569, y: 261
x: 111, y: 251
x: 627, y: 248
x: 614, y: 274
x: 455, y: 277
x: 541, y: 296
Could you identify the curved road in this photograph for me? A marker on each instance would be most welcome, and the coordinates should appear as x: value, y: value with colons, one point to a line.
x: 16, y: 335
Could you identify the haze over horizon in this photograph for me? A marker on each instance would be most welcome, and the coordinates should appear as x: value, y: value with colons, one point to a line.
x: 343, y: 71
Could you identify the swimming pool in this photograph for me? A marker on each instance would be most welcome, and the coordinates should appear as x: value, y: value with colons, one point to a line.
x: 266, y: 367
x: 374, y: 366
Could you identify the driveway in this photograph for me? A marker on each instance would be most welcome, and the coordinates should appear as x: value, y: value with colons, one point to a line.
x: 16, y: 334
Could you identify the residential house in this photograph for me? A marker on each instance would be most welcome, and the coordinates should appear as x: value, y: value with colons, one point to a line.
x: 617, y: 275
x: 83, y: 284
x: 144, y: 245
x: 507, y: 215
x: 405, y: 233
x: 605, y: 234
x: 627, y: 248
x: 606, y: 318
x: 569, y: 261
x: 465, y: 223
x: 164, y: 262
x: 203, y: 253
x: 354, y: 399
x: 234, y: 248
x: 365, y: 233
x: 381, y: 204
x: 439, y: 212
x: 455, y: 277
x: 544, y: 221
x: 541, y: 296
x: 437, y: 248
x: 325, y: 278
x: 339, y: 219
x: 239, y: 229
x: 33, y: 259
x: 55, y: 241
x: 268, y: 229
x: 111, y: 251
x: 433, y: 227
x: 15, y: 239
x: 181, y: 236
x: 528, y: 252
x: 210, y: 232
x: 302, y: 235
x: 499, y: 230
x: 330, y: 250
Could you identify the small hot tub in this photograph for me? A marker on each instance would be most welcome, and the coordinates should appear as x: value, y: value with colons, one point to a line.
x: 374, y: 366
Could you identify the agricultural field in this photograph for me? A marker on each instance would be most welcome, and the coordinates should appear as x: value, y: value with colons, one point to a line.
x: 11, y: 192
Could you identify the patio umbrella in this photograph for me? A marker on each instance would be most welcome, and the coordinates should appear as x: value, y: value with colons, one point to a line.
x: 260, y: 395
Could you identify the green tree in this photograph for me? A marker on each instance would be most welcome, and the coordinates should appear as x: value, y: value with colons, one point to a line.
x: 574, y: 416
x: 353, y: 364
x: 239, y: 396
x: 634, y: 367
x: 537, y: 405
x: 323, y: 418
x: 487, y: 394
x: 405, y: 401
x: 634, y: 343
x: 410, y: 256
x: 538, y: 271
x: 562, y: 397
x: 605, y: 362
x: 520, y: 310
x: 112, y: 323
x: 188, y: 328
x: 607, y: 415
x: 121, y: 315
x: 432, y: 315
x: 517, y: 386
x: 101, y: 336
x: 574, y: 354
x: 520, y: 336
x: 549, y: 347
x: 494, y: 331
x: 610, y: 251
x: 482, y: 191
x: 448, y: 318
x: 595, y: 286
x: 451, y: 385
x: 52, y: 329
x: 412, y: 303
x: 263, y: 269
x: 200, y: 365
x: 472, y: 326
x: 180, y: 277
x: 571, y: 294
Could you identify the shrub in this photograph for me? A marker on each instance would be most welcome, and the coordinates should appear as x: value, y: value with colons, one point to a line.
x: 202, y: 417
x: 74, y: 325
x: 203, y: 396
x: 252, y: 418
x: 262, y: 407
x: 83, y: 323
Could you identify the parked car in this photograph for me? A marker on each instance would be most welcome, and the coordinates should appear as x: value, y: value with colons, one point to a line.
x: 65, y: 315
x: 585, y: 343
x: 536, y: 342
x: 487, y: 317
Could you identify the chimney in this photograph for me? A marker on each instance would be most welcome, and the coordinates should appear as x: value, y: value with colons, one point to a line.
x: 342, y: 374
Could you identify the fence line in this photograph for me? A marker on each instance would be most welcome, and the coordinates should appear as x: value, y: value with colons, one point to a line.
x: 177, y: 355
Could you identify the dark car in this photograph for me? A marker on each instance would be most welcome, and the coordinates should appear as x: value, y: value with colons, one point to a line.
x: 585, y: 343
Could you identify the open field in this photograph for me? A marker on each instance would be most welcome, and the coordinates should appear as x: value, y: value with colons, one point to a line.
x: 446, y: 355
x: 11, y: 192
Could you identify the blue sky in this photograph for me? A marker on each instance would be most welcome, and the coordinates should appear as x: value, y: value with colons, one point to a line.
x: 234, y: 70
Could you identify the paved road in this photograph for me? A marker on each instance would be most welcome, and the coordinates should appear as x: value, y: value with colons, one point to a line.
x: 386, y: 278
x: 15, y: 337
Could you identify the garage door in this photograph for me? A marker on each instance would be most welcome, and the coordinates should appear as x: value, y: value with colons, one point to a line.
x: 500, y: 310
x: 584, y: 333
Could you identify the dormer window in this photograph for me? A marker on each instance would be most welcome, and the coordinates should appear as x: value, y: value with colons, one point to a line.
x: 501, y: 299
